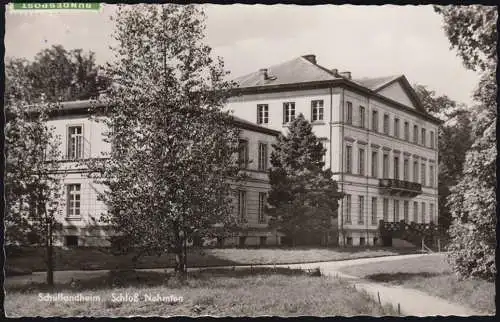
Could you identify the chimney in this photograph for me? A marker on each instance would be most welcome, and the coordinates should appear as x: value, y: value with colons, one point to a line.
x: 263, y: 73
x: 311, y: 58
x: 335, y: 72
x: 346, y: 75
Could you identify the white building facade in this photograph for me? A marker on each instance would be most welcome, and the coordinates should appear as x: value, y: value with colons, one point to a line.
x: 381, y: 144
x: 80, y: 210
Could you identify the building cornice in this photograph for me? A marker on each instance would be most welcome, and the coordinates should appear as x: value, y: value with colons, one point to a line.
x: 84, y: 107
x: 341, y: 82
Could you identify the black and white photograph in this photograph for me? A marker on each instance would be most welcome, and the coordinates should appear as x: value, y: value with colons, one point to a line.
x: 237, y: 160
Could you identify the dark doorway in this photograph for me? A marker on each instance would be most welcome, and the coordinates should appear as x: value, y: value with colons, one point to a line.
x: 242, y: 241
x: 71, y: 241
x: 263, y: 240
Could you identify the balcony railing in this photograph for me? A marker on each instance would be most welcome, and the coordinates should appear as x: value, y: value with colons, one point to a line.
x: 400, y: 187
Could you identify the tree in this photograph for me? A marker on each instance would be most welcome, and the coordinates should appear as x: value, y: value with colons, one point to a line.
x: 303, y: 197
x: 32, y: 184
x: 454, y: 139
x: 167, y: 175
x: 473, y: 199
x: 472, y: 31
x: 56, y: 74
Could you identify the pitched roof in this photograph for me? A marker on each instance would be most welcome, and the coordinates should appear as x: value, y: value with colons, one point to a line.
x: 304, y: 71
x: 245, y: 124
x: 377, y: 82
x: 298, y: 70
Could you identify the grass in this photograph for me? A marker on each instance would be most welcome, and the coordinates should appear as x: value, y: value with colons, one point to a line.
x: 245, y: 292
x: 433, y: 275
x: 31, y: 259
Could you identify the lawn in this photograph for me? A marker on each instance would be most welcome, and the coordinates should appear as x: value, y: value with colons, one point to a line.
x: 433, y: 275
x: 260, y: 291
x: 31, y: 259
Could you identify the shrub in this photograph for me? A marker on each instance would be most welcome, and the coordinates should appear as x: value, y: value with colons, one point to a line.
x: 470, y: 255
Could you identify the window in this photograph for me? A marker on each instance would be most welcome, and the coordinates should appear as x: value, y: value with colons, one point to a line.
x: 422, y: 174
x: 263, y: 240
x: 348, y: 209
x: 432, y: 139
x: 431, y: 213
x: 262, y: 114
x: 375, y: 121
x: 242, y: 205
x: 73, y: 200
x: 396, y: 211
x: 317, y: 110
x: 361, y: 169
x: 396, y: 168
x: 406, y: 210
x: 361, y: 218
x: 423, y: 137
x: 386, y: 124
x: 349, y: 113
x: 415, y: 171
x: 361, y: 241
x: 71, y: 241
x: 431, y: 175
x: 385, y: 166
x: 262, y: 156
x: 396, y: 127
x: 407, y: 131
x: 423, y: 212
x: 415, y: 212
x: 288, y: 112
x: 374, y: 210
x: 375, y: 241
x: 75, y: 142
x: 324, y: 143
x: 415, y: 134
x: 374, y: 164
x: 262, y: 203
x: 243, y: 154
x: 386, y: 209
x: 348, y: 159
x: 405, y: 169
x: 362, y: 116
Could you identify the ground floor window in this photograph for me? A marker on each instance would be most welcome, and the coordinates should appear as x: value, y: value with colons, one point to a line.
x: 375, y: 240
x: 386, y: 209
x: 263, y: 240
x: 362, y: 241
x: 71, y: 241
x: 242, y: 205
x: 396, y: 211
x: 406, y: 206
x: 262, y: 203
x: 349, y: 240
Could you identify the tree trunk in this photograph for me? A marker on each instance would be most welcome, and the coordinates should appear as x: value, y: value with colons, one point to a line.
x: 185, y: 254
x: 50, y: 258
x: 180, y: 259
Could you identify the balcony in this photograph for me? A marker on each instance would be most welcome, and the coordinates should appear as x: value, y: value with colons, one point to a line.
x: 400, y: 188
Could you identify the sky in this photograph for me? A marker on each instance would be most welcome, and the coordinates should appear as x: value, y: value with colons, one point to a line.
x: 368, y: 41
